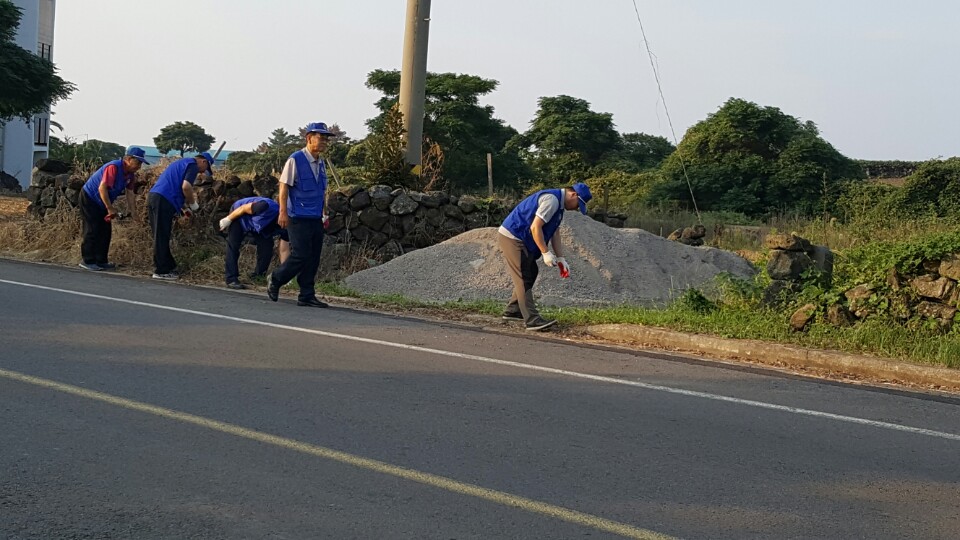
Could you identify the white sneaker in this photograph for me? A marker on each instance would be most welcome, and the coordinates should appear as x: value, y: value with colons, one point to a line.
x: 167, y: 277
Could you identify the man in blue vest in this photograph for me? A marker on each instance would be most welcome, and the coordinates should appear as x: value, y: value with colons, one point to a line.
x: 171, y: 195
x: 303, y: 187
x: 525, y: 235
x: 254, y: 218
x: 96, y: 206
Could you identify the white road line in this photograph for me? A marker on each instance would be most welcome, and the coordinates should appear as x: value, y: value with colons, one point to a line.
x: 519, y: 365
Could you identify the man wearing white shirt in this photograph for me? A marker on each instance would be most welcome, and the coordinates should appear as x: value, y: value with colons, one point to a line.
x: 525, y: 235
x: 303, y: 187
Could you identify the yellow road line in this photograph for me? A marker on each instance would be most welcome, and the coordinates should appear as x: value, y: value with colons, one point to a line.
x: 441, y: 482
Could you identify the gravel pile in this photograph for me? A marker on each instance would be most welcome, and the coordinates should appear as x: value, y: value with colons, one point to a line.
x: 607, y: 266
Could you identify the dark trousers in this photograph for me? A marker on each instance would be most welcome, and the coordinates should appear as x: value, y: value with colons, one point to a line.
x: 523, y: 269
x: 161, y: 214
x: 306, y: 242
x: 96, y: 232
x: 235, y: 238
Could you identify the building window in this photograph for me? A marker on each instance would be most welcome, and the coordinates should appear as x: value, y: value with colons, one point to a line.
x: 41, y: 131
x: 46, y: 51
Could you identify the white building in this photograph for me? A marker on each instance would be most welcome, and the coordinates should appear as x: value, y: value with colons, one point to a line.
x: 23, y: 143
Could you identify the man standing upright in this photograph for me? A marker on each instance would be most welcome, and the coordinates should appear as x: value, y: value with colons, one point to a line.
x: 166, y: 200
x: 96, y: 206
x: 303, y: 188
x: 524, y: 236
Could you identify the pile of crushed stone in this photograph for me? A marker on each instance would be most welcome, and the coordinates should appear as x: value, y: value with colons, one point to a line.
x: 607, y: 266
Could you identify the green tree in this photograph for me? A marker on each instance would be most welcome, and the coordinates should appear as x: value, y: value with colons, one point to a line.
x: 384, y: 158
x: 566, y: 139
x: 183, y: 137
x: 29, y: 84
x: 90, y: 152
x: 933, y: 189
x: 465, y: 130
x: 639, y: 152
x: 754, y: 160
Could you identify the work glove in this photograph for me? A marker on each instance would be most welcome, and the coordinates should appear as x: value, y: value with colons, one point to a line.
x: 549, y: 259
x: 564, y: 267
x: 194, y: 206
x: 225, y: 223
x: 326, y: 222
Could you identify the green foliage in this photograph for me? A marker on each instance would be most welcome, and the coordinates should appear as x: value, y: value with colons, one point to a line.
x: 755, y: 160
x: 694, y: 300
x: 871, y: 262
x: 567, y: 139
x: 464, y: 129
x: 618, y: 190
x: 183, y: 137
x: 384, y: 156
x: 638, y: 152
x: 89, y: 153
x: 934, y: 188
x: 29, y: 84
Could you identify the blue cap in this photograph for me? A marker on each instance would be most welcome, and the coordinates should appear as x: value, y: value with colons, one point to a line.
x: 318, y: 127
x: 584, y: 196
x: 136, y: 152
x: 208, y: 157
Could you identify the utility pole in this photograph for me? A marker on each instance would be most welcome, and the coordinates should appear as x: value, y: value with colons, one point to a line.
x: 413, y: 77
x: 490, y: 174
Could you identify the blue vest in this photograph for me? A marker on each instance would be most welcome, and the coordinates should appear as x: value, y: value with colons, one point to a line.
x: 92, y: 186
x: 170, y: 183
x: 256, y: 223
x: 307, y: 194
x: 521, y: 218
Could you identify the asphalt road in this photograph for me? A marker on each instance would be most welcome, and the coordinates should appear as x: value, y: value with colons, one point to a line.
x: 139, y: 409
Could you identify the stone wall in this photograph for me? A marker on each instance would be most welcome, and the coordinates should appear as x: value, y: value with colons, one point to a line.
x: 385, y: 220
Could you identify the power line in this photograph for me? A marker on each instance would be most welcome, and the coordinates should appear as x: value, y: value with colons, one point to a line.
x: 656, y: 76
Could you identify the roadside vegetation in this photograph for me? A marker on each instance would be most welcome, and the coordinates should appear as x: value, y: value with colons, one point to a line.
x: 745, y: 171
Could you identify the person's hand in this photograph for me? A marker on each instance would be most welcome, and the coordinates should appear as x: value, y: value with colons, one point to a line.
x: 326, y: 222
x: 564, y: 267
x: 283, y: 219
x: 194, y: 206
x: 224, y: 223
x: 187, y: 213
x: 549, y: 258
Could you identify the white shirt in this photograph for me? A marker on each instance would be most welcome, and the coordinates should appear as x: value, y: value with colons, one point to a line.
x: 547, y: 206
x: 289, y: 174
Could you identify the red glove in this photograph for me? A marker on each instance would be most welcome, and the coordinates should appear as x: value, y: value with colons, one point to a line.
x: 326, y: 222
x: 564, y: 267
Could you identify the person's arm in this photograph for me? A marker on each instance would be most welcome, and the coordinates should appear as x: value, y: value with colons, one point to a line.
x: 131, y: 203
x: 557, y: 245
x: 287, y: 177
x: 536, y: 229
x: 235, y: 215
x: 283, y: 219
x: 189, y: 195
x: 109, y: 177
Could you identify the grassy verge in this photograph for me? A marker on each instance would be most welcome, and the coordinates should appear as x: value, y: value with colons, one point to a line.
x: 200, y: 252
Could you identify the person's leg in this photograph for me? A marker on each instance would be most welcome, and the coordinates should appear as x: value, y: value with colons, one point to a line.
x: 104, y: 235
x: 264, y: 253
x: 299, y: 251
x: 307, y: 277
x: 517, y: 258
x: 529, y: 270
x: 88, y: 246
x: 162, y: 214
x: 234, y: 242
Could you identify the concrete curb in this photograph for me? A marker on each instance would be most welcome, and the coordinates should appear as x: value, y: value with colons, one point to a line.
x: 779, y: 355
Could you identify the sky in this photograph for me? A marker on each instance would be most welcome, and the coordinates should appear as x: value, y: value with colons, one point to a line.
x: 879, y: 77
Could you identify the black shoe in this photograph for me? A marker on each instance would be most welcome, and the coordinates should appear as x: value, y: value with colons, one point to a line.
x: 106, y: 266
x: 312, y: 302
x: 540, y: 325
x: 512, y: 316
x: 273, y: 292
x: 236, y: 285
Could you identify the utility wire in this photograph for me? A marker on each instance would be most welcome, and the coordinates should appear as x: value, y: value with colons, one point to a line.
x: 656, y: 76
